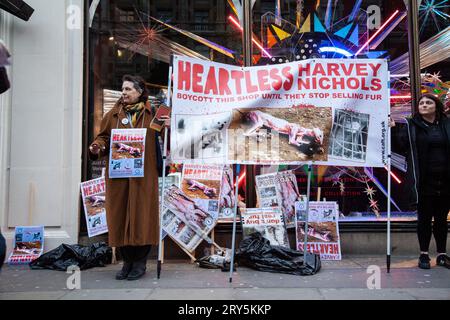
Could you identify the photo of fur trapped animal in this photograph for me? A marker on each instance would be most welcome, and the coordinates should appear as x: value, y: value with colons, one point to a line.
x: 303, y: 134
x: 27, y: 247
x: 95, y: 204
x: 201, y: 189
x: 127, y: 150
x: 318, y: 231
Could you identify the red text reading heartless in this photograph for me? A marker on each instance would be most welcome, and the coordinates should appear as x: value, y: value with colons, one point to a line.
x: 117, y: 137
x: 325, y: 76
x: 94, y: 189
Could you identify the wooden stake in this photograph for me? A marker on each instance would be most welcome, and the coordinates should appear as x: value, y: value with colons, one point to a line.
x: 213, y: 234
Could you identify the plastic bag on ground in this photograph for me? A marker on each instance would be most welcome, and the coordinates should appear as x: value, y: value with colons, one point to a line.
x: 256, y: 252
x: 64, y: 256
x: 221, y: 260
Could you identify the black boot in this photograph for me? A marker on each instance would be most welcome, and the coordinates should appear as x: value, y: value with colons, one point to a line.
x: 127, y: 264
x: 424, y: 261
x: 126, y: 269
x: 137, y: 271
x: 139, y: 262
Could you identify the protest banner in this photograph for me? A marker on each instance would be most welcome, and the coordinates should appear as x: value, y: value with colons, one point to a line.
x: 269, y: 222
x: 28, y: 244
x: 127, y: 152
x: 323, y: 229
x: 330, y: 111
x: 93, y: 196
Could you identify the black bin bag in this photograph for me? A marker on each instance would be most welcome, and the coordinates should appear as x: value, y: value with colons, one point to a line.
x: 64, y: 256
x: 256, y: 252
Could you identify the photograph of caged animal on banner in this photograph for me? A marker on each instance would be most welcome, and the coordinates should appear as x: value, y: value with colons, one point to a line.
x: 323, y: 229
x: 279, y: 190
x: 201, y: 183
x: 349, y: 135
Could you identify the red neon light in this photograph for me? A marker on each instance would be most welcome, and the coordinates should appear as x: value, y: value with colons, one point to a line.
x: 376, y: 33
x: 394, y: 176
x: 253, y: 39
x: 241, y: 178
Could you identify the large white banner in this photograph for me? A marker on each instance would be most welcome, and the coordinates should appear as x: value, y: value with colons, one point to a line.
x: 330, y: 111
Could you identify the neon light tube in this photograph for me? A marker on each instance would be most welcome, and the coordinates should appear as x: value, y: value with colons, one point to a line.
x: 253, y: 39
x: 376, y: 33
x: 336, y: 50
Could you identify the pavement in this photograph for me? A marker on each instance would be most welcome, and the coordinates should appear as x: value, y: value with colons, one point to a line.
x: 348, y: 279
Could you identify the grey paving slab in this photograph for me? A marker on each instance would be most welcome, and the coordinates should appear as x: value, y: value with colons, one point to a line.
x: 108, y: 294
x: 426, y: 294
x: 191, y: 294
x: 37, y: 295
x: 277, y: 294
x: 366, y: 294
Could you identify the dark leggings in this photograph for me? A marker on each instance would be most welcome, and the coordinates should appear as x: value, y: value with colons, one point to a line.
x: 429, y: 207
x: 135, y: 253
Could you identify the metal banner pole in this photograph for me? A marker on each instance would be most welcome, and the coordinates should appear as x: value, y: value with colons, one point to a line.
x: 161, y: 205
x: 236, y: 193
x: 308, y: 192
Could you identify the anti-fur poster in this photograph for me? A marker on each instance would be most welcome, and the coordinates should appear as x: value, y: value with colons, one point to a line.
x: 323, y: 229
x: 93, y: 195
x: 202, y: 184
x: 330, y: 111
x: 127, y: 152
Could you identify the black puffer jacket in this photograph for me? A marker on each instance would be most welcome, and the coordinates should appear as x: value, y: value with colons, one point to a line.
x: 2, y: 250
x: 404, y: 140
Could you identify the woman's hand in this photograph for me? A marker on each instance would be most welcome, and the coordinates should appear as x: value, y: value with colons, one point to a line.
x: 94, y: 148
x: 391, y: 123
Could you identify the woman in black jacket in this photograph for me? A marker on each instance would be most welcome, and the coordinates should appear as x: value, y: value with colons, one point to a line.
x: 426, y: 138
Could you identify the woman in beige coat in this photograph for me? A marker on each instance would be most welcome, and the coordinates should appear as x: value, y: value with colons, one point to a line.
x: 131, y: 203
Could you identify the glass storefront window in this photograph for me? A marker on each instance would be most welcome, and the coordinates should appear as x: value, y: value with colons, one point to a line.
x: 137, y: 37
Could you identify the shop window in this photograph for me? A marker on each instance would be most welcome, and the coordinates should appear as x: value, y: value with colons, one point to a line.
x: 201, y: 21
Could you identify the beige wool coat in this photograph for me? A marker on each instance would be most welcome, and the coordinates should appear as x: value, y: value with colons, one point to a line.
x: 132, y: 206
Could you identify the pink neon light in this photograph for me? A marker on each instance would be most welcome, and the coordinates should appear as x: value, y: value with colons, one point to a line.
x: 400, y: 97
x: 376, y: 33
x: 241, y: 178
x: 394, y: 176
x: 253, y: 39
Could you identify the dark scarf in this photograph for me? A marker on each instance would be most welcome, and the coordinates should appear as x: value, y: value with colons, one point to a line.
x: 134, y: 110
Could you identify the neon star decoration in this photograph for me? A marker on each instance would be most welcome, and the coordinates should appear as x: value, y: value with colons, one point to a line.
x: 435, y: 10
x: 370, y: 191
